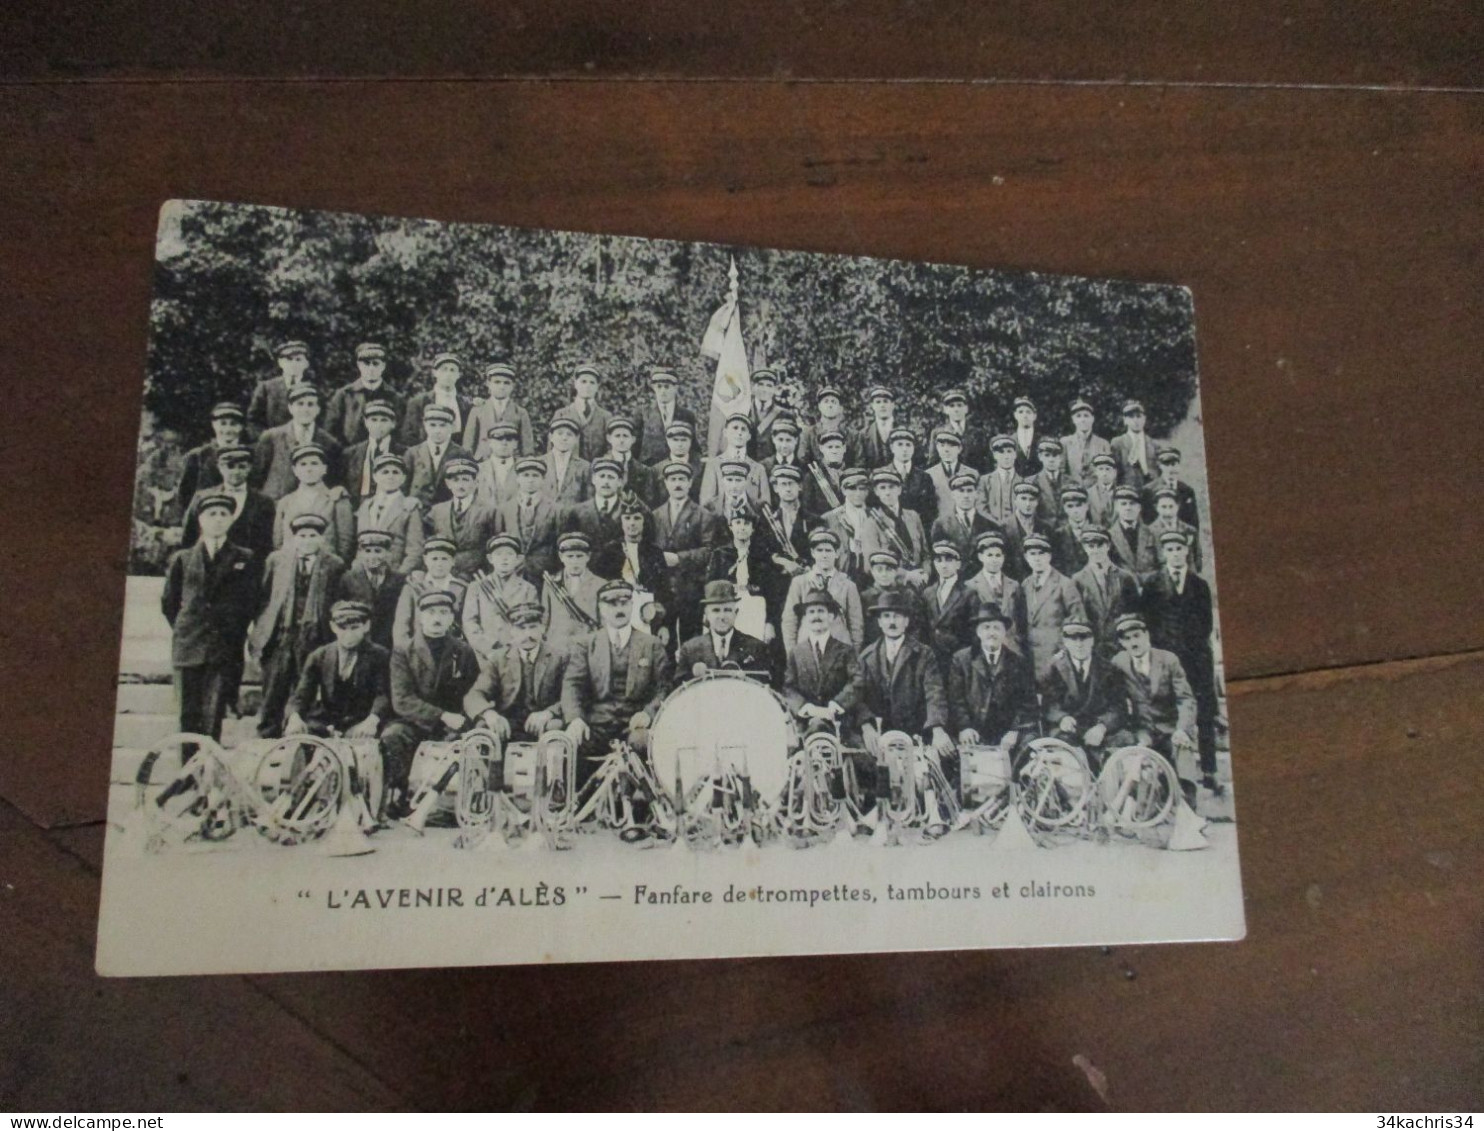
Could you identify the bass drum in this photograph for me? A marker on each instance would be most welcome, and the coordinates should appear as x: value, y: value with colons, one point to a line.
x: 724, y: 719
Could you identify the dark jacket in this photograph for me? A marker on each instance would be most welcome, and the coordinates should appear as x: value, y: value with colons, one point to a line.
x: 422, y: 690
x: 652, y: 447
x: 908, y: 695
x: 808, y: 681
x: 251, y: 529
x: 746, y: 653
x: 322, y: 698
x: 209, y: 605
x: 500, y: 685
x: 313, y: 628
x: 356, y: 585
x: 1100, y: 699
x: 991, y: 702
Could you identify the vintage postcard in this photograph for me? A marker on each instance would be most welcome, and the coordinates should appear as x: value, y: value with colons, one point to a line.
x: 511, y: 596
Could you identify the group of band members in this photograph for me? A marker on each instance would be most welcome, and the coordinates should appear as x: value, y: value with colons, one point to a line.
x: 410, y: 568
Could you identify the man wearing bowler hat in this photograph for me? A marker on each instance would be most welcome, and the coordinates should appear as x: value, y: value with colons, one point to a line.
x: 991, y: 694
x: 345, y: 416
x: 819, y: 679
x: 721, y: 645
x: 901, y: 682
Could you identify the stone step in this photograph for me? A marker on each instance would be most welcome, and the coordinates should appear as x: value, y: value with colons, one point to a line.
x: 143, y: 731
x: 146, y: 699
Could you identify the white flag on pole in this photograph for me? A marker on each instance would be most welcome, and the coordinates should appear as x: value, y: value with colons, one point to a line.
x: 732, y: 391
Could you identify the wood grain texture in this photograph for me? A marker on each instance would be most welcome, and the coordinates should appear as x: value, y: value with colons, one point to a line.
x: 74, y: 1042
x: 1357, y: 988
x: 1362, y: 42
x: 1332, y: 241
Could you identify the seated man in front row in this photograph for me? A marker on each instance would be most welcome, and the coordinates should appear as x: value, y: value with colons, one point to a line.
x: 819, y: 682
x: 1161, y: 703
x: 1082, y: 695
x: 900, y: 682
x: 518, y: 694
x: 614, y: 683
x: 721, y: 645
x: 344, y: 687
x: 431, y: 674
x: 991, y: 693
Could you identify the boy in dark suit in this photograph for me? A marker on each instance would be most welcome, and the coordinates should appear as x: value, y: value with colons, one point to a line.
x: 209, y: 598
x: 374, y: 582
x: 345, y: 686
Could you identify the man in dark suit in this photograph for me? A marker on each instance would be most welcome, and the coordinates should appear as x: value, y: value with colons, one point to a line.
x: 1051, y: 480
x: 345, y: 687
x: 973, y: 440
x: 918, y: 493
x: 431, y: 674
x: 1134, y: 546
x: 598, y: 517
x: 532, y: 518
x: 870, y: 444
x: 900, y: 681
x: 1081, y: 444
x: 615, y: 681
x: 428, y: 461
x: 375, y: 421
x: 636, y: 477
x: 991, y: 694
x: 269, y: 405
x: 1134, y: 450
x: 590, y: 417
x: 686, y: 534
x: 273, y: 458
x: 209, y: 598
x: 199, y: 469
x: 1082, y: 696
x: 345, y: 416
x: 1179, y: 612
x: 1107, y: 590
x: 1168, y: 459
x: 518, y: 694
x: 680, y: 439
x: 498, y: 407
x: 785, y: 445
x: 766, y: 411
x: 1025, y: 522
x: 1161, y: 704
x: 721, y: 645
x: 254, y: 512
x: 298, y: 588
x: 961, y: 523
x: 783, y: 532
x: 1027, y: 438
x: 949, y: 603
x: 823, y: 489
x: 820, y: 677
x: 373, y: 581
x: 996, y: 499
x: 1067, y: 553
x: 447, y: 369
x: 464, y: 519
x: 568, y: 479
x: 657, y: 416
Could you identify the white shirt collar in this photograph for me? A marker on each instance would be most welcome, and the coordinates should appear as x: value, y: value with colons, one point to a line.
x: 619, y: 637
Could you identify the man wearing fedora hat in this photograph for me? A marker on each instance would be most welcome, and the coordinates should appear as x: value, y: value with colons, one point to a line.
x: 991, y: 694
x: 721, y: 645
x: 819, y: 679
x: 900, y: 681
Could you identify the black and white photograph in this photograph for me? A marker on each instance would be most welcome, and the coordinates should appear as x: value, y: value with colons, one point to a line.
x: 506, y: 595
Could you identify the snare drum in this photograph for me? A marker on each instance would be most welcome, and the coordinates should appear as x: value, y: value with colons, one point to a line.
x: 724, y: 720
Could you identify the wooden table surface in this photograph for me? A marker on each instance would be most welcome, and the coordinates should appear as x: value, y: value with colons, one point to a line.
x: 1311, y: 170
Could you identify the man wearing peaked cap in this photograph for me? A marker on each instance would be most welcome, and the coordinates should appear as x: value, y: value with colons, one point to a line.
x: 661, y: 411
x: 391, y: 510
x: 313, y: 496
x: 199, y: 469
x: 496, y: 483
x: 945, y: 449
x: 430, y: 675
x: 518, y: 694
x: 896, y: 526
x: 1101, y: 508
x: 824, y: 573
x: 300, y: 581
x: 1027, y: 438
x: 584, y: 410
x: 598, y: 516
x: 961, y: 521
x: 1168, y: 528
x: 570, y: 595
x: 498, y: 406
x: 345, y: 686
x: 273, y: 462
x: 783, y: 529
x: 990, y: 587
x: 870, y: 444
x: 1134, y: 449
x: 269, y: 404
x: 637, y: 477
x: 853, y: 525
x: 464, y: 518
x: 427, y: 461
x: 344, y: 416
x: 784, y: 437
x: 975, y: 446
x: 1067, y: 553
x: 1108, y: 590
x: 615, y: 681
x: 532, y: 518
x: 443, y: 391
x: 1050, y: 480
x: 1161, y: 705
x: 764, y: 413
x: 210, y: 595
x: 373, y: 580
x: 829, y: 406
x: 1049, y: 598
x: 722, y: 644
x: 1025, y: 522
x: 736, y: 438
x: 1134, y: 545
x: 492, y: 594
x: 997, y: 485
x: 1186, y: 509
x: 435, y: 576
x: 1081, y: 444
x: 376, y: 423
x: 918, y: 494
x: 1082, y: 696
x: 568, y: 476
x: 684, y: 534
x: 253, y: 513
